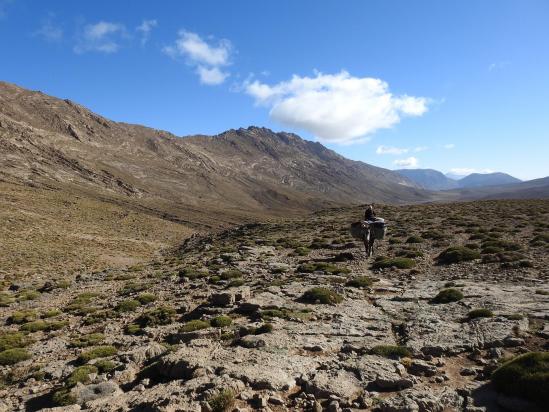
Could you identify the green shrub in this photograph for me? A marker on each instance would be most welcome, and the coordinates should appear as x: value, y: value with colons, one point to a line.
x: 5, y: 299
x: 63, y: 397
x: 322, y: 295
x: 480, y: 313
x: 146, y: 298
x: 50, y: 313
x: 223, y: 401
x: 80, y: 375
x: 11, y: 340
x: 231, y: 274
x: 13, y: 356
x: 328, y: 268
x: 361, y: 282
x: 409, y: 253
x: 97, y: 352
x: 133, y: 329
x: 502, y: 244
x: 42, y: 325
x: 84, y: 341
x: 195, y: 324
x: 105, y: 366
x: 236, y: 283
x: 221, y: 321
x: 491, y: 250
x: 265, y: 328
x: 398, y: 262
x: 162, y: 315
x: 448, y: 296
x: 526, y: 376
x: 456, y: 254
x: 301, y: 251
x: 28, y: 295
x: 23, y: 316
x: 390, y: 351
x: 128, y: 305
x: 414, y: 239
x: 131, y: 288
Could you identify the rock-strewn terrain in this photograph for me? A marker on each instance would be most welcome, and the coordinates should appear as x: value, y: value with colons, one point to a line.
x: 290, y: 315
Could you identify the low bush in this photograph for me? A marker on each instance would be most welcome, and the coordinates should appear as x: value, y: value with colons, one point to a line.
x: 13, y: 356
x: 223, y: 401
x: 128, y: 305
x: 97, y: 352
x: 195, y: 324
x: 105, y: 366
x: 221, y: 321
x: 146, y: 298
x: 80, y: 375
x: 448, y: 296
x: 23, y: 316
x: 322, y: 295
x: 162, y: 315
x: 480, y: 313
x: 398, y: 262
x: 526, y: 376
x: 84, y: 341
x: 391, y: 351
x: 42, y: 325
x: 50, y: 313
x: 414, y: 239
x: 231, y: 274
x: 328, y: 268
x: 361, y: 282
x: 265, y: 328
x: 11, y: 340
x: 456, y: 254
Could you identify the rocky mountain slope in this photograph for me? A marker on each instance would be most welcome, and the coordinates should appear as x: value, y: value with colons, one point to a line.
x: 291, y: 316
x: 429, y: 179
x: 49, y: 141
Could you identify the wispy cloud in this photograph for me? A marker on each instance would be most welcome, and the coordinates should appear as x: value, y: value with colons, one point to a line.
x: 50, y: 30
x: 497, y: 66
x: 337, y: 108
x: 407, y: 163
x: 420, y: 149
x: 208, y: 58
x: 382, y: 150
x: 103, y: 37
x: 145, y: 28
x: 449, y: 146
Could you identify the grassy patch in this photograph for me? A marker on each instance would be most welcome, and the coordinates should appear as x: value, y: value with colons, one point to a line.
x: 361, y: 282
x: 162, y: 315
x: 13, y: 356
x: 146, y: 298
x: 391, y: 351
x: 223, y: 401
x: 322, y: 295
x: 325, y: 267
x: 84, y: 341
x: 526, y: 376
x: 221, y: 321
x: 97, y: 352
x: 398, y: 262
x: 480, y: 313
x: 11, y: 340
x: 456, y: 254
x: 448, y: 296
x: 128, y: 305
x: 194, y: 325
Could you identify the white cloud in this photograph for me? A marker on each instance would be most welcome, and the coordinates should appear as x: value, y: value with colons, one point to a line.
x: 338, y: 107
x: 449, y: 146
x: 208, y: 58
x: 381, y: 150
x: 211, y: 76
x: 497, y: 66
x: 104, y: 37
x: 50, y: 31
x: 464, y: 171
x: 409, y: 162
x: 420, y: 149
x: 145, y: 29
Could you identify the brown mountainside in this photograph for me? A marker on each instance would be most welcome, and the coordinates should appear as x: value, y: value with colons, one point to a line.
x: 49, y: 141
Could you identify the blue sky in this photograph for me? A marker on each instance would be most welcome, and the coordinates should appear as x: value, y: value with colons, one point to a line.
x: 460, y: 86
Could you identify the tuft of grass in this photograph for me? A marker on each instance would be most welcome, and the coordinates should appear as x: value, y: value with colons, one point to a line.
x: 23, y: 316
x: 480, y: 313
x: 13, y: 356
x: 84, y: 341
x: 128, y: 305
x: 398, y: 262
x: 414, y: 239
x: 42, y: 325
x: 11, y: 340
x: 223, y: 401
x: 265, y: 328
x: 391, y: 351
x: 447, y: 296
x: 325, y: 267
x: 221, y: 321
x: 322, y: 295
x: 105, y: 366
x: 146, y: 298
x: 195, y: 324
x: 526, y: 376
x: 97, y: 352
x: 456, y: 254
x: 361, y: 282
x: 6, y: 299
x: 162, y: 315
x: 80, y: 375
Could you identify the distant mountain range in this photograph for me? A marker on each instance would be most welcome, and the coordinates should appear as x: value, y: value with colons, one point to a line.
x: 431, y: 179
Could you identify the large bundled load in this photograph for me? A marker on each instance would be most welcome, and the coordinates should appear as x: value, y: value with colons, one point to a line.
x: 378, y: 229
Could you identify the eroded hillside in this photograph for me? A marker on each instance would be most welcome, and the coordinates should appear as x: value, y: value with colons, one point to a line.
x: 290, y: 315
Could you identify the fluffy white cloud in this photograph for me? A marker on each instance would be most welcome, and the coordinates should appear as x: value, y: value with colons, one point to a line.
x: 211, y: 76
x: 206, y: 57
x: 338, y: 107
x: 409, y: 162
x: 381, y: 150
x: 102, y: 37
x: 145, y: 29
x: 449, y: 146
x: 464, y: 171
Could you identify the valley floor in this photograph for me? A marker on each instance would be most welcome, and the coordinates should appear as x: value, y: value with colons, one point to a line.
x: 291, y: 315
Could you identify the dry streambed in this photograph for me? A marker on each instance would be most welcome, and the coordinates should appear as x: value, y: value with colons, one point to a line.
x: 291, y: 316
